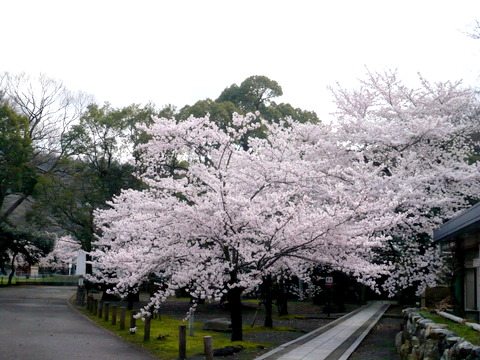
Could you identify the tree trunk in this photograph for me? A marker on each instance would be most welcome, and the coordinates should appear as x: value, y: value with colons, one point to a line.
x: 282, y: 300
x: 131, y: 298
x: 268, y: 300
x: 12, y: 207
x: 12, y: 269
x: 88, y: 265
x: 235, y: 301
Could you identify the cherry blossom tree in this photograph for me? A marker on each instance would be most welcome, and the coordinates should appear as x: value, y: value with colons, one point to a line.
x: 65, y: 252
x: 217, y: 218
x: 421, y: 138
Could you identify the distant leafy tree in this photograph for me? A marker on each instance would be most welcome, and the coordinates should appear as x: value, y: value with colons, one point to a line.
x: 50, y: 109
x: 253, y: 94
x: 220, y: 112
x: 256, y: 94
x: 17, y: 176
x: 276, y: 112
x: 27, y: 243
x: 101, y: 143
x: 17, y: 179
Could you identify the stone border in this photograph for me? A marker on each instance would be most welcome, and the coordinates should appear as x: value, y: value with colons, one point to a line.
x: 421, y: 338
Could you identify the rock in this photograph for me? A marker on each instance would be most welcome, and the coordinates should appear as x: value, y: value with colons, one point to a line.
x: 425, y: 322
x: 415, y: 341
x: 452, y: 340
x: 227, y: 350
x: 399, y: 340
x: 465, y: 349
x: 440, y: 333
x: 446, y: 355
x: 432, y: 326
x: 422, y: 336
x: 431, y: 350
x: 411, y: 328
x: 219, y: 324
x: 420, y: 350
x: 414, y: 355
x: 405, y: 349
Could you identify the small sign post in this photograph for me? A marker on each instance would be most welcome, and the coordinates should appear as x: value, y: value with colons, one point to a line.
x: 328, y: 286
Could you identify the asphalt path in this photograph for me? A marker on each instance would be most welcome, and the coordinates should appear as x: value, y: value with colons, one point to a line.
x: 36, y: 323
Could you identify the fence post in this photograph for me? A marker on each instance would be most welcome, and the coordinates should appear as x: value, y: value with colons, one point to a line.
x: 80, y: 295
x: 100, y: 309
x: 114, y: 314
x: 182, y: 342
x: 146, y: 333
x: 95, y: 306
x: 132, y: 319
x: 107, y: 306
x: 208, y: 347
x: 122, y: 318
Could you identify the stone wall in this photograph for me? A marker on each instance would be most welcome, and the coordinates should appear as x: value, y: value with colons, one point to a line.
x: 422, y: 339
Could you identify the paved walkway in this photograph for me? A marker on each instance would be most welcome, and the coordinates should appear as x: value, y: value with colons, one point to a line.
x: 334, y: 341
x: 36, y: 323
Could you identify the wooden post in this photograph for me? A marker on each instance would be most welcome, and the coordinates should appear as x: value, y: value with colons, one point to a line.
x: 191, y: 323
x: 82, y: 296
x: 107, y: 306
x: 132, y: 318
x: 208, y: 347
x: 100, y: 309
x: 114, y: 314
x: 95, y: 306
x: 182, y: 342
x: 122, y: 318
x: 146, y: 333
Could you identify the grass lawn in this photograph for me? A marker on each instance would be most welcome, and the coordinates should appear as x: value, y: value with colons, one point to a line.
x: 463, y: 331
x: 164, y: 336
x: 53, y: 278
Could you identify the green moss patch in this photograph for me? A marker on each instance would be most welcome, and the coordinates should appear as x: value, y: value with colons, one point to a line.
x: 463, y: 331
x: 164, y: 336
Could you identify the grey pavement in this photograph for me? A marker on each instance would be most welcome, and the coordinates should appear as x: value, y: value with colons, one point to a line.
x: 36, y: 323
x: 334, y: 341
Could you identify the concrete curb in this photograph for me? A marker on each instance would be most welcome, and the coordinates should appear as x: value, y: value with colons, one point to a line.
x: 344, y: 349
x: 304, y: 338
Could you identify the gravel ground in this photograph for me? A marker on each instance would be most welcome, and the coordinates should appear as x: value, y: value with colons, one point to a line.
x: 379, y: 344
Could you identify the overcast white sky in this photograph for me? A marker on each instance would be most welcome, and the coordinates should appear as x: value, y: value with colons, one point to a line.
x: 179, y: 52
